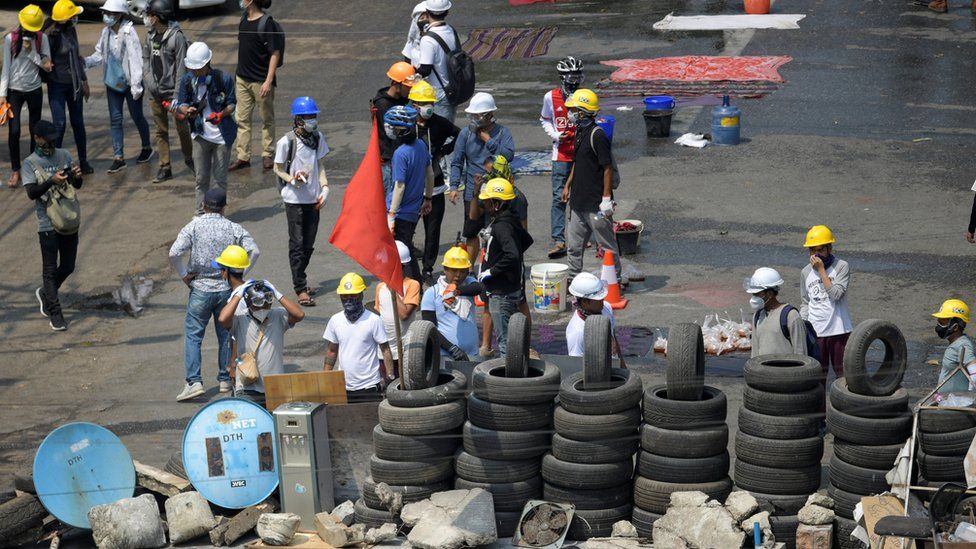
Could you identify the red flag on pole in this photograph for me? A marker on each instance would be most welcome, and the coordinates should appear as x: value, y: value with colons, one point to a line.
x: 361, y: 230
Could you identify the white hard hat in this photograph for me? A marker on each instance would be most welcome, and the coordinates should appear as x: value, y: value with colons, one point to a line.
x: 115, y: 6
x: 764, y: 278
x: 404, y: 252
x: 588, y: 286
x: 197, y: 56
x: 421, y: 7
x: 481, y: 103
x: 438, y: 6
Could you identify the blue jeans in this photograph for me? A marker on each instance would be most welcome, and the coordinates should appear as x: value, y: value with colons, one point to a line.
x: 116, y: 101
x: 502, y: 307
x: 444, y: 108
x: 62, y: 98
x: 200, y: 307
x: 560, y: 171
x: 386, y: 168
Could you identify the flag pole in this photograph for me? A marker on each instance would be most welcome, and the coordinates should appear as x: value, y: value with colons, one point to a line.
x: 396, y: 331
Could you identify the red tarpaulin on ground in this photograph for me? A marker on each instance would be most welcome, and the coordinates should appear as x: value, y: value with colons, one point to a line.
x: 699, y: 68
x: 361, y: 231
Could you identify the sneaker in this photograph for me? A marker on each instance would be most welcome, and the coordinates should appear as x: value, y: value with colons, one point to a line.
x: 39, y: 294
x: 164, y: 174
x: 57, y: 323
x: 144, y: 156
x: 117, y: 165
x: 558, y: 250
x: 190, y: 391
x: 238, y: 165
x: 86, y: 168
x: 225, y: 387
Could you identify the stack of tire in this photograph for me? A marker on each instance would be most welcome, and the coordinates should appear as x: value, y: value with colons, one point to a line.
x: 509, y: 427
x: 684, y: 440
x: 778, y: 447
x: 869, y: 417
x: 419, y: 428
x: 592, y: 461
x: 944, y: 440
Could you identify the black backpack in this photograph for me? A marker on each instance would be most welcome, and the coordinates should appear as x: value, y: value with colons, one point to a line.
x: 265, y: 39
x: 460, y: 71
x: 813, y: 350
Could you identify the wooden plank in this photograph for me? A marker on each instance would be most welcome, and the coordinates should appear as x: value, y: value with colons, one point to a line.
x: 301, y: 541
x: 159, y: 481
x: 327, y: 387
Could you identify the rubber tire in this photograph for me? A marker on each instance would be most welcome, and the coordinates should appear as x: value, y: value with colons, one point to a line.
x: 644, y: 521
x: 414, y: 448
x: 509, y: 496
x: 887, y: 379
x: 428, y: 420
x: 25, y: 483
x: 451, y: 386
x: 410, y: 473
x: 788, y: 504
x: 586, y: 428
x: 854, y: 404
x: 685, y: 374
x: 947, y: 444
x: 683, y: 470
x: 421, y: 363
x: 517, y: 349
x: 660, y: 411
x: 506, y: 522
x: 696, y: 443
x: 173, y: 466
x: 844, y: 501
x: 597, y: 523
x: 622, y: 392
x: 7, y: 495
x: 489, y: 383
x: 655, y: 496
x: 782, y: 373
x: 778, y: 427
x: 857, y: 480
x: 944, y: 421
x: 586, y: 476
x: 872, y: 457
x: 597, y: 451
x: 410, y: 494
x: 19, y: 515
x: 372, y: 518
x: 869, y: 431
x: 802, y: 403
x: 784, y: 529
x: 504, y: 445
x: 941, y: 468
x: 785, y: 454
x: 770, y: 480
x: 601, y: 498
x: 509, y: 417
x: 477, y: 469
x: 597, y: 350
x: 842, y: 534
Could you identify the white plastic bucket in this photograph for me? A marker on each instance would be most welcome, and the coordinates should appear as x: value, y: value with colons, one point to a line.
x: 550, y: 283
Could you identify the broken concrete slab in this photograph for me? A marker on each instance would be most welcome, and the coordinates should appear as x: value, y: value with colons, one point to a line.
x: 386, y: 532
x: 741, y: 505
x: 389, y: 499
x: 468, y: 521
x: 697, y: 527
x: 761, y: 517
x: 688, y: 499
x: 159, y: 481
x: 821, y: 499
x: 623, y: 529
x: 336, y: 533
x: 230, y: 531
x: 130, y: 523
x: 345, y: 512
x: 815, y: 515
x: 188, y: 516
x: 278, y: 528
x: 614, y: 543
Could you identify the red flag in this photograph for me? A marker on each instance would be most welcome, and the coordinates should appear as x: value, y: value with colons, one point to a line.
x: 361, y: 230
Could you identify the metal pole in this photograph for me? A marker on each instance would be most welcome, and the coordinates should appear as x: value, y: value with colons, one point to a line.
x: 396, y: 331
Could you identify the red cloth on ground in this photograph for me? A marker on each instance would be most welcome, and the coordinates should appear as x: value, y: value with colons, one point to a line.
x: 699, y: 68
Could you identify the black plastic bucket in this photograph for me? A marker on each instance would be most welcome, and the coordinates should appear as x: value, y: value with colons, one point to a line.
x: 628, y: 242
x: 658, y: 123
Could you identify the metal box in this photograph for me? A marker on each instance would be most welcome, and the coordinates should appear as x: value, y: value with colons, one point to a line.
x: 304, y: 461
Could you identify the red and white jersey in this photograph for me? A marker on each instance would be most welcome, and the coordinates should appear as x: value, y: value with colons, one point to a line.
x: 555, y: 120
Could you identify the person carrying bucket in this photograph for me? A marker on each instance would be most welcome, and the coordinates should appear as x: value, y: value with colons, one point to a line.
x: 589, y: 292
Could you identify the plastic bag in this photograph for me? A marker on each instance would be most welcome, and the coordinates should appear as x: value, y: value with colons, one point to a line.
x: 660, y: 342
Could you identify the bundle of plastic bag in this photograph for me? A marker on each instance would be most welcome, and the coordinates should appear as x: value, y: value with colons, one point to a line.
x: 723, y: 335
x: 660, y: 342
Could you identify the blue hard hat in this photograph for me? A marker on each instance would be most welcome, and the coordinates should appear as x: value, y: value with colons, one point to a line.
x: 401, y: 116
x: 303, y: 105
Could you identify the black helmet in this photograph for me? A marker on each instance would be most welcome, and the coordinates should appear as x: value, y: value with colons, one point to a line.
x: 162, y: 9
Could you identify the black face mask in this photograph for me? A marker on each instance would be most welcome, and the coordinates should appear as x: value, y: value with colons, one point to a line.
x: 944, y: 331
x: 45, y: 150
x: 353, y: 309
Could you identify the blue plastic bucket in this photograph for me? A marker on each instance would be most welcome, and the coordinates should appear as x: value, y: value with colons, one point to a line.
x: 607, y: 122
x: 659, y: 103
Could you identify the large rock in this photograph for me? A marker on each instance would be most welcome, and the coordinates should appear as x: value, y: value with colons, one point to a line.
x: 384, y: 533
x: 243, y: 522
x: 623, y: 529
x: 741, y: 504
x: 336, y: 533
x: 345, y: 512
x: 389, y: 499
x: 688, y: 499
x: 761, y: 517
x: 815, y: 515
x: 697, y: 527
x: 278, y: 528
x: 188, y: 515
x: 453, y: 519
x: 131, y: 523
x: 821, y: 499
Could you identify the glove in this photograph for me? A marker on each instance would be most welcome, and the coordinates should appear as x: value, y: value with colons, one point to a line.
x: 278, y: 295
x: 606, y: 206
x: 485, y: 275
x: 239, y: 291
x: 390, y: 220
x: 215, y: 117
x: 457, y: 354
x: 323, y: 195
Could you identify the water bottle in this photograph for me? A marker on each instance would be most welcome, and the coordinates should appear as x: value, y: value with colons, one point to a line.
x: 725, y: 123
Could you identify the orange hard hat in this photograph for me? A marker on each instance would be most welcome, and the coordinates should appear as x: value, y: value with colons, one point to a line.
x: 402, y: 72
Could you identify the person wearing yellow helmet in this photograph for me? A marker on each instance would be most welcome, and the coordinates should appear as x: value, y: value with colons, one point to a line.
x: 951, y: 320
x: 449, y: 304
x: 67, y: 83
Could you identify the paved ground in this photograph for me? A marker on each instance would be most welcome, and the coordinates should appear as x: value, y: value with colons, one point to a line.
x: 870, y: 135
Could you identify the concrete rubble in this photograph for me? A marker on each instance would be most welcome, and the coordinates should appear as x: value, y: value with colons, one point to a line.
x: 623, y: 529
x: 159, y: 481
x: 226, y: 533
x: 817, y: 511
x: 336, y: 533
x: 130, y: 523
x: 382, y: 534
x: 345, y: 513
x: 452, y: 519
x: 389, y: 499
x: 188, y: 515
x: 278, y: 528
x: 693, y: 521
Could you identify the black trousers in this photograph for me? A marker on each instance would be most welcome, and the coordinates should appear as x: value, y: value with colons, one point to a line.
x: 58, y: 253
x: 369, y: 394
x: 303, y: 224
x: 35, y: 101
x: 403, y: 231
x: 432, y: 232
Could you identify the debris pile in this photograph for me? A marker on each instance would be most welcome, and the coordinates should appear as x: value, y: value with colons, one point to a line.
x: 694, y: 520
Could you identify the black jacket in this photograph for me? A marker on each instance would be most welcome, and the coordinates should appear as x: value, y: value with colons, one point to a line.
x: 440, y: 136
x: 380, y: 104
x: 504, y: 252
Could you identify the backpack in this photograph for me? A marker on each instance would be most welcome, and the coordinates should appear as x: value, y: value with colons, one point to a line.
x: 61, y: 206
x: 813, y: 350
x: 266, y: 40
x: 292, y: 143
x: 460, y: 71
x: 615, y: 181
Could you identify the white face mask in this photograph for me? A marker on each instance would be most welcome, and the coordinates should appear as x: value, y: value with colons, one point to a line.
x: 756, y: 302
x: 110, y: 20
x: 311, y: 124
x: 260, y: 314
x: 425, y: 111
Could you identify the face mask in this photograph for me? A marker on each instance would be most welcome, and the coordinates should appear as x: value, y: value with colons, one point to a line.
x: 571, y: 84
x: 45, y: 150
x: 573, y: 117
x: 421, y: 25
x: 147, y: 21
x: 243, y: 4
x: 390, y: 132
x: 756, y: 302
x: 353, y: 309
x: 310, y: 124
x: 260, y: 314
x: 110, y: 20
x: 945, y: 331
x: 425, y: 111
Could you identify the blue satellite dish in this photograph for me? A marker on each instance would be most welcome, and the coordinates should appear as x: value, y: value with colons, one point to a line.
x: 79, y: 466
x: 229, y: 453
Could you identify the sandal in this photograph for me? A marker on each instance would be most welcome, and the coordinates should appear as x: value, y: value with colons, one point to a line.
x: 305, y: 301
x: 14, y: 180
x: 310, y: 291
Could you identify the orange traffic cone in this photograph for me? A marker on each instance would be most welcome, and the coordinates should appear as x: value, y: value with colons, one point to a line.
x: 609, y: 275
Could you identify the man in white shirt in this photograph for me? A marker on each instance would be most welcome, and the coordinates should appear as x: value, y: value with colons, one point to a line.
x: 352, y: 340
x: 418, y: 20
x: 823, y: 295
x: 589, y: 292
x: 433, y: 57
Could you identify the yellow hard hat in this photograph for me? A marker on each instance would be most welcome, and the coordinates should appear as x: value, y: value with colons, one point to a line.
x: 497, y: 188
x: 31, y: 18
x: 457, y: 258
x: 584, y: 99
x: 351, y: 284
x: 64, y: 10
x: 233, y: 257
x: 953, y: 308
x: 422, y: 92
x: 818, y: 235
x: 501, y: 168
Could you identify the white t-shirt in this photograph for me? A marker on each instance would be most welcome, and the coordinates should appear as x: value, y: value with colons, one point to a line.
x: 305, y: 160
x: 211, y: 132
x: 358, y: 346
x: 829, y: 318
x: 411, y: 49
x: 431, y: 53
x: 574, y: 330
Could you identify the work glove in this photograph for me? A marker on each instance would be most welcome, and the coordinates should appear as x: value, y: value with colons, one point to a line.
x: 278, y: 295
x: 323, y: 197
x: 457, y: 354
x: 606, y: 206
x: 485, y: 275
x: 215, y: 117
x: 239, y: 291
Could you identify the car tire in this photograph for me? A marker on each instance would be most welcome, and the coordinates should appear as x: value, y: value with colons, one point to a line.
x: 421, y: 421
x: 941, y: 468
x: 696, y: 443
x: 517, y: 349
x: 945, y: 421
x: 770, y: 480
x: 506, y: 522
x: 844, y: 501
x: 784, y: 529
x: 655, y: 496
x: 623, y: 391
x: 644, y: 521
x: 778, y: 427
x: 589, y: 428
x: 869, y: 431
x: 857, y: 480
x: 844, y: 527
x: 872, y: 457
x: 19, y: 515
x: 477, y: 469
x: 802, y: 403
x: 600, y: 498
x: 504, y: 445
x: 597, y: 349
x: 586, y: 476
x: 415, y: 448
x: 683, y: 470
x: 422, y: 356
x: 597, y: 523
x: 844, y: 400
x: 509, y: 417
x: 947, y: 444
x: 685, y: 373
x: 410, y: 473
x: 597, y: 451
x: 887, y: 378
x: 409, y: 494
x: 541, y: 385
x: 771, y: 452
x: 450, y: 386
x: 782, y: 373
x: 660, y: 411
x: 507, y: 496
x: 372, y: 518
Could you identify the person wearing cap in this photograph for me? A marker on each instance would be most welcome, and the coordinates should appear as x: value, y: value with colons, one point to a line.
x: 823, y: 298
x: 67, y: 83
x: 406, y: 307
x: 413, y: 180
x: 119, y: 51
x: 355, y: 339
x: 26, y: 52
x: 402, y: 76
x: 49, y: 174
x: 589, y: 292
x: 207, y: 98
x: 433, y: 56
x: 951, y: 320
x: 201, y: 240
x: 482, y: 139
x: 261, y: 49
x: 767, y: 334
x: 166, y: 51
x: 449, y: 304
x: 418, y: 22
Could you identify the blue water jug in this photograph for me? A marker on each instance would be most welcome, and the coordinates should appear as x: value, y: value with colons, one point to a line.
x: 607, y: 122
x: 725, y: 123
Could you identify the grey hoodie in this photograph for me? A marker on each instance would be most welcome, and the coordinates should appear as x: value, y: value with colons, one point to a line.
x: 172, y: 51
